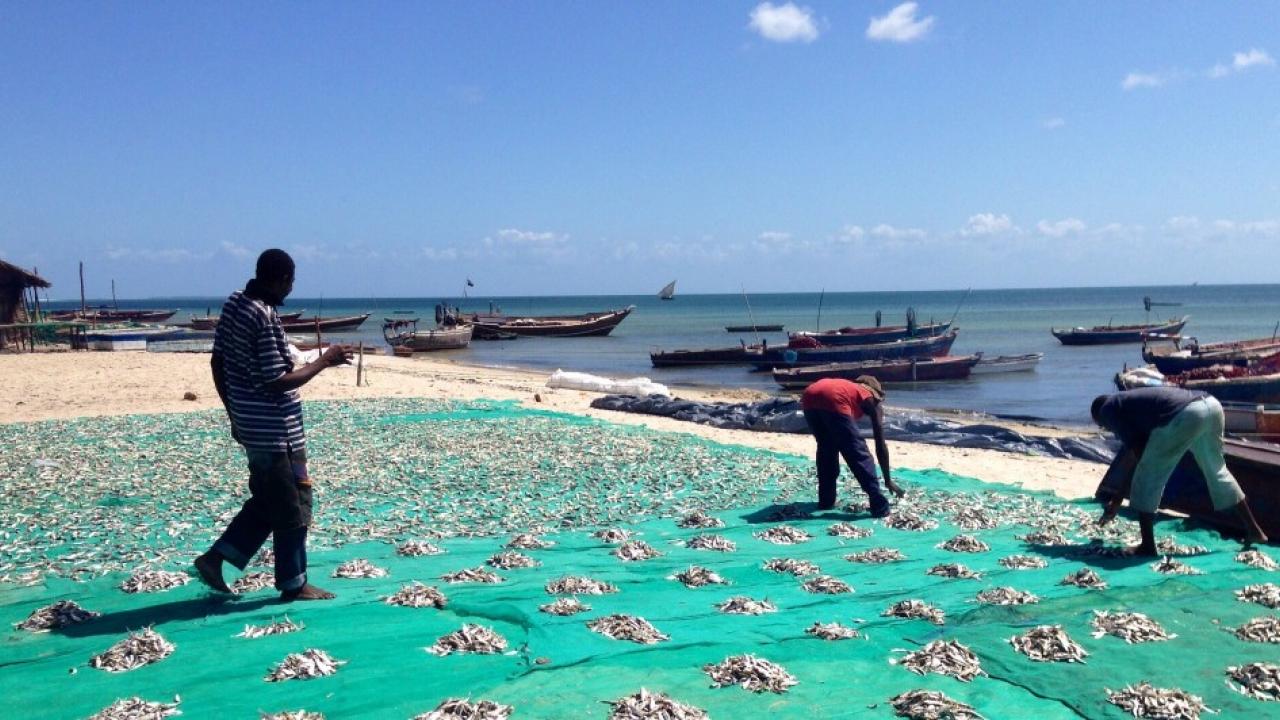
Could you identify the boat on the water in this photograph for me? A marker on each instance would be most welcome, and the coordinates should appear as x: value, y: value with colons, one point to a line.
x: 597, y: 324
x: 668, y: 292
x: 404, y: 336
x: 1180, y: 357
x: 752, y: 328
x: 1007, y: 363
x: 736, y: 355
x: 105, y: 314
x: 950, y: 367
x: 331, y: 324
x: 926, y: 347
x: 871, y: 335
x: 209, y: 322
x: 1112, y: 334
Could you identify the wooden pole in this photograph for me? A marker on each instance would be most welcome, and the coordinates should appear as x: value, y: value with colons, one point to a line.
x: 318, y: 338
x: 360, y: 364
x: 36, y: 292
x: 82, y: 307
x: 114, y: 304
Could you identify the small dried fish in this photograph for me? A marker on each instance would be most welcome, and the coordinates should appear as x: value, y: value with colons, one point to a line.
x: 1169, y: 566
x: 973, y: 519
x: 627, y: 627
x: 1257, y: 559
x: 848, y: 530
x: 612, y: 536
x: 266, y: 557
x: 831, y: 631
x: 711, y: 542
x: 61, y: 614
x: 944, y: 657
x: 252, y: 582
x: 931, y: 705
x: 528, y: 541
x: 359, y: 568
x: 1146, y: 701
x: 1023, y: 562
x: 1006, y: 596
x: 1260, y: 681
x: 137, y: 650
x: 418, y: 548
x: 280, y: 627
x: 752, y: 673
x: 148, y: 581
x: 784, y: 535
x: 1265, y: 629
x: 953, y: 570
x: 469, y: 639
x: 1085, y: 578
x: 645, y: 705
x: 417, y: 595
x: 1265, y: 594
x: 1045, y: 537
x: 135, y: 708
x: 877, y: 556
x: 964, y: 544
x: 292, y: 715
x: 903, y: 520
x: 635, y: 551
x: 471, y: 575
x: 305, y: 665
x: 700, y: 520
x: 1048, y: 643
x: 511, y: 560
x: 826, y: 585
x: 1170, y: 546
x: 565, y: 606
x: 1131, y: 627
x: 459, y: 709
x: 743, y: 605
x: 799, y: 568
x: 697, y: 576
x: 915, y: 609
x: 577, y: 585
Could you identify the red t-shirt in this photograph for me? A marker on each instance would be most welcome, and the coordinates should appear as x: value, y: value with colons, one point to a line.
x: 836, y: 395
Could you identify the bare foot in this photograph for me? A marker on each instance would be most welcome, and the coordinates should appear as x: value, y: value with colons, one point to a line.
x: 1256, y: 537
x: 307, y: 592
x: 209, y: 568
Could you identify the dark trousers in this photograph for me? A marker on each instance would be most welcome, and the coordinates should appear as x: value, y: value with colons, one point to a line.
x: 279, y: 505
x: 837, y: 435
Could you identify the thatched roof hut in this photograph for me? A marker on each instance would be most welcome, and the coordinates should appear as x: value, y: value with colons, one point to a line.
x: 13, y: 283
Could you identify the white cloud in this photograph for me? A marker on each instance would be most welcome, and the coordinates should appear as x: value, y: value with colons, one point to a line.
x: 1182, y: 224
x: 155, y: 255
x: 1218, y: 71
x: 235, y: 250
x: 1053, y: 123
x: 1061, y: 228
x: 900, y: 25
x: 851, y: 233
x: 1135, y: 80
x: 988, y: 224
x: 890, y: 232
x: 774, y: 237
x: 784, y: 23
x: 445, y: 254
x: 1242, y: 61
x: 511, y: 242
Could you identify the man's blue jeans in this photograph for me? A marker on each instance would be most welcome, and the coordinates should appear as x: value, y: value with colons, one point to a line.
x: 280, y: 506
x: 837, y: 435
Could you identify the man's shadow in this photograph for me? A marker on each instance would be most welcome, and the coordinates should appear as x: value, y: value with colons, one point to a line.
x: 785, y: 512
x: 118, y: 623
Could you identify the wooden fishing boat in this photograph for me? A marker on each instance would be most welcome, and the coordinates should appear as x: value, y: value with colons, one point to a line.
x: 668, y: 291
x: 131, y: 338
x: 950, y: 367
x: 1177, y: 357
x: 596, y: 324
x: 752, y: 328
x: 109, y: 315
x: 1252, y: 420
x: 927, y: 347
x: 872, y: 335
x: 404, y: 335
x: 209, y: 322
x: 1259, y: 383
x: 1007, y: 363
x: 1113, y: 334
x: 332, y: 324
x: 181, y: 340
x: 737, y: 355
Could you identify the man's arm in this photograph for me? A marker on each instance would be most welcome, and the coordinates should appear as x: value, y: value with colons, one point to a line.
x: 1125, y: 465
x: 217, y: 365
x: 334, y: 355
x: 882, y: 449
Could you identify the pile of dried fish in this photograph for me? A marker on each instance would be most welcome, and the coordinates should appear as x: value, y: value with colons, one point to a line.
x: 645, y: 705
x: 266, y: 557
x: 253, y: 582
x: 511, y: 560
x: 1128, y: 626
x: 826, y: 585
x: 1257, y: 559
x: 565, y: 606
x: 627, y: 627
x: 831, y: 631
x: 697, y: 576
x: 944, y: 657
x: 58, y: 615
x: 359, y: 568
x: 305, y: 665
x: 459, y: 709
x: 417, y: 595
x: 1145, y: 701
x: 1023, y: 562
x: 1048, y: 643
x: 148, y: 581
x: 877, y: 556
x: 910, y: 521
x: 711, y: 542
x: 792, y: 566
x: 1169, y: 566
x: 1006, y: 596
x: 1265, y: 594
x: 292, y: 715
x: 784, y: 535
x: 1170, y: 546
x: 964, y: 544
x: 635, y: 551
x: 280, y: 627
x: 135, y: 708
x: 915, y: 609
x: 848, y: 530
x: 471, y: 575
x: 469, y: 639
x: 699, y: 519
x: 743, y: 605
x: 612, y: 536
x: 752, y: 673
x: 577, y: 585
x: 953, y: 570
x: 418, y: 548
x: 137, y: 650
x: 1085, y: 578
x: 1260, y: 681
x: 1264, y: 629
x: 1045, y: 537
x: 973, y: 518
x: 528, y: 541
x: 931, y: 705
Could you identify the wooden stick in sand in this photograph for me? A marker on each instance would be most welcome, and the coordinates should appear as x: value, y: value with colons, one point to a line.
x: 360, y: 364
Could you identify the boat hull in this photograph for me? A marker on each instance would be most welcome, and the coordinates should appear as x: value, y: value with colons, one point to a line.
x: 334, y: 324
x: 1007, y: 364
x: 738, y: 355
x: 586, y: 325
x: 752, y: 328
x: 1103, y: 335
x: 886, y: 371
x: 434, y: 340
x: 900, y: 350
x: 1175, y: 360
x: 874, y: 335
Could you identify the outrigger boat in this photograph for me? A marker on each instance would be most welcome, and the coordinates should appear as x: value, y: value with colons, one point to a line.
x: 598, y: 324
x: 1113, y: 334
x: 951, y: 367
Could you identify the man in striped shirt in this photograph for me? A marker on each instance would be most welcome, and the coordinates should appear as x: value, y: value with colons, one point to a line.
x: 258, y: 384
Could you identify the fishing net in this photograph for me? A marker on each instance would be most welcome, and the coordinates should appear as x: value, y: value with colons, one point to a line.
x: 86, y: 503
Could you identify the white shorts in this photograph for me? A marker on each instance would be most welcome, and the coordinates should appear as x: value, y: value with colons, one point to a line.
x: 1197, y: 429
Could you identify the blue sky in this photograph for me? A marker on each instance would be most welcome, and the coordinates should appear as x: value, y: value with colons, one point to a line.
x: 602, y: 147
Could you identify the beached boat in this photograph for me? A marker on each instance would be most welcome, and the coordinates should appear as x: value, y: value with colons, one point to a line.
x: 1113, y: 334
x: 1259, y: 383
x: 1007, y: 363
x: 950, y: 367
x: 752, y: 328
x: 871, y: 335
x: 1179, y: 357
x: 404, y: 335
x: 132, y: 338
x: 898, y: 350
x: 332, y: 324
x: 1252, y: 420
x: 736, y: 355
x: 668, y: 292
x: 596, y: 324
x: 181, y: 340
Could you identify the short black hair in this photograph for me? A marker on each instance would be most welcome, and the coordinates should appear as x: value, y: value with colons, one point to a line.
x: 1096, y: 408
x: 274, y: 264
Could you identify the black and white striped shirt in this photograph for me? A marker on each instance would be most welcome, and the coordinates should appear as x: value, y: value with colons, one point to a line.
x: 255, y: 351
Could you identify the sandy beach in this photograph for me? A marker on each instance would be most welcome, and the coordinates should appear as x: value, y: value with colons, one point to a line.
x: 64, y: 385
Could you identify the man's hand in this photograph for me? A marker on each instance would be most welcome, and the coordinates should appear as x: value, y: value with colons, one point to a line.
x: 1112, y: 509
x: 335, y: 355
x: 893, y: 488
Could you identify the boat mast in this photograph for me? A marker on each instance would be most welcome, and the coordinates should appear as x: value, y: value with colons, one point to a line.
x: 751, y: 315
x: 818, y: 325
